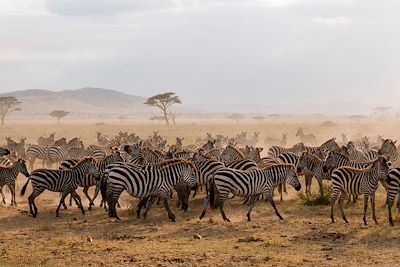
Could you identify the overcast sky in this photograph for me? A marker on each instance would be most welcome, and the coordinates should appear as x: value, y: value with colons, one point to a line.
x: 275, y: 55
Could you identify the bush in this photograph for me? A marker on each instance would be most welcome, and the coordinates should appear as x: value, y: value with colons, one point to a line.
x: 317, y: 200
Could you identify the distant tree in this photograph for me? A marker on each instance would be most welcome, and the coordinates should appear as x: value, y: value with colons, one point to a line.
x: 357, y: 118
x: 7, y: 105
x: 163, y: 102
x: 173, y: 116
x: 236, y: 116
x: 58, y: 114
x: 259, y: 118
x: 275, y: 116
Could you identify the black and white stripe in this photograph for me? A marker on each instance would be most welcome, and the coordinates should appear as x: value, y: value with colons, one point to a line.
x: 8, y: 176
x: 250, y: 185
x: 65, y: 181
x: 350, y: 181
x: 35, y: 152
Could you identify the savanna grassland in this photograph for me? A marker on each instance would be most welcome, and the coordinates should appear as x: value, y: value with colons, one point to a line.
x: 306, y: 236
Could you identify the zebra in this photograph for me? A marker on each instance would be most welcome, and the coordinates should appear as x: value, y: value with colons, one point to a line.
x: 8, y: 175
x: 5, y: 162
x: 336, y: 159
x: 98, y: 153
x: 46, y: 141
x: 311, y: 165
x: 275, y: 151
x: 242, y: 164
x: 355, y: 153
x: 306, y: 138
x: 206, y: 169
x: 270, y: 141
x: 56, y: 154
x: 4, y: 151
x: 90, y: 180
x: 249, y: 184
x: 147, y: 183
x: 348, y: 180
x: 388, y: 148
x: 393, y: 182
x: 65, y: 181
x: 231, y: 153
x: 35, y: 152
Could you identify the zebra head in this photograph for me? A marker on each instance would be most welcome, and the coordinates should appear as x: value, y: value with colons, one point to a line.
x: 293, y: 179
x: 188, y: 174
x: 303, y: 163
x: 330, y: 162
x: 388, y: 148
x: 21, y: 167
x: 384, y: 166
x: 91, y: 166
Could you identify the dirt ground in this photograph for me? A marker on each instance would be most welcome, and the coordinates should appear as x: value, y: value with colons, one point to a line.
x: 306, y: 237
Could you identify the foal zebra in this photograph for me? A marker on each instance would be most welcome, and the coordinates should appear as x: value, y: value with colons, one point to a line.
x: 8, y: 176
x: 65, y: 181
x: 348, y: 180
x: 249, y: 184
x: 147, y: 183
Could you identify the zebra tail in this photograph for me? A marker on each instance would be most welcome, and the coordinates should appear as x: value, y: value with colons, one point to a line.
x: 212, y: 195
x: 24, y: 187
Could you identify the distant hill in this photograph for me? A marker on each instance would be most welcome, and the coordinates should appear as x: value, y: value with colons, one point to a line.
x: 87, y: 102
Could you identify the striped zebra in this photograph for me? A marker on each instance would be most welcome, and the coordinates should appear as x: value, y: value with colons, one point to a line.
x: 249, y: 184
x: 275, y: 151
x: 98, y: 153
x: 388, y: 149
x: 4, y: 151
x: 35, y: 152
x: 56, y: 154
x: 242, y: 164
x: 206, y: 169
x: 311, y: 165
x: 328, y: 145
x: 351, y: 181
x: 152, y: 156
x: 5, y: 162
x: 136, y: 154
x: 355, y: 153
x: 336, y: 159
x: 393, y: 182
x: 231, y: 153
x: 8, y: 175
x: 270, y: 141
x: 65, y: 181
x: 214, y: 153
x: 91, y: 180
x: 147, y: 183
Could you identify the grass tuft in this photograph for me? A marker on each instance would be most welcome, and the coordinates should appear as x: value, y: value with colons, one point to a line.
x: 317, y: 200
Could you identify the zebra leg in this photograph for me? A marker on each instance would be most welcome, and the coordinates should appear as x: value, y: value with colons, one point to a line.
x: 78, y: 201
x: 96, y: 192
x: 31, y: 200
x: 389, y: 205
x: 2, y: 195
x: 205, y: 206
x: 221, y: 208
x: 141, y: 204
x: 271, y: 201
x: 365, y: 208
x: 12, y: 190
x: 280, y: 190
x: 321, y: 188
x: 149, y: 204
x: 373, y: 208
x: 166, y: 205
x: 252, y: 204
x: 70, y: 201
x: 341, y: 206
x: 64, y: 195
x: 307, y: 179
x: 85, y: 191
x: 335, y: 194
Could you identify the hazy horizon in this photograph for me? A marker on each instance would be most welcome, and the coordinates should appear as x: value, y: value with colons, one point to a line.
x: 283, y: 56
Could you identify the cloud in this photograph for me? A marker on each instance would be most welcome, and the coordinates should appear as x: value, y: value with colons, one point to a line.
x: 106, y: 7
x: 333, y: 21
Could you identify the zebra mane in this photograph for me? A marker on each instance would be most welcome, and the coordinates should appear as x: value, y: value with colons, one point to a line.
x: 173, y: 162
x: 236, y: 150
x: 82, y: 162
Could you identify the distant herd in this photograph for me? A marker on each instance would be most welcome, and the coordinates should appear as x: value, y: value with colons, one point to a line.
x: 150, y: 169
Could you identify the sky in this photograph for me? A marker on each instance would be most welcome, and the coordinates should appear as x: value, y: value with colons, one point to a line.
x: 291, y: 56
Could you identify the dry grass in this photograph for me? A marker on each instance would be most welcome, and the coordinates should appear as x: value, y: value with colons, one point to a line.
x: 305, y: 237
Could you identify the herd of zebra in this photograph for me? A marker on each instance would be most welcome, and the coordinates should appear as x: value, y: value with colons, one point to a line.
x: 151, y: 170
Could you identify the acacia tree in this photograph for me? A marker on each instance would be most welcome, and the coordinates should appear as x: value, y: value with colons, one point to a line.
x: 163, y: 102
x: 7, y: 105
x: 58, y: 114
